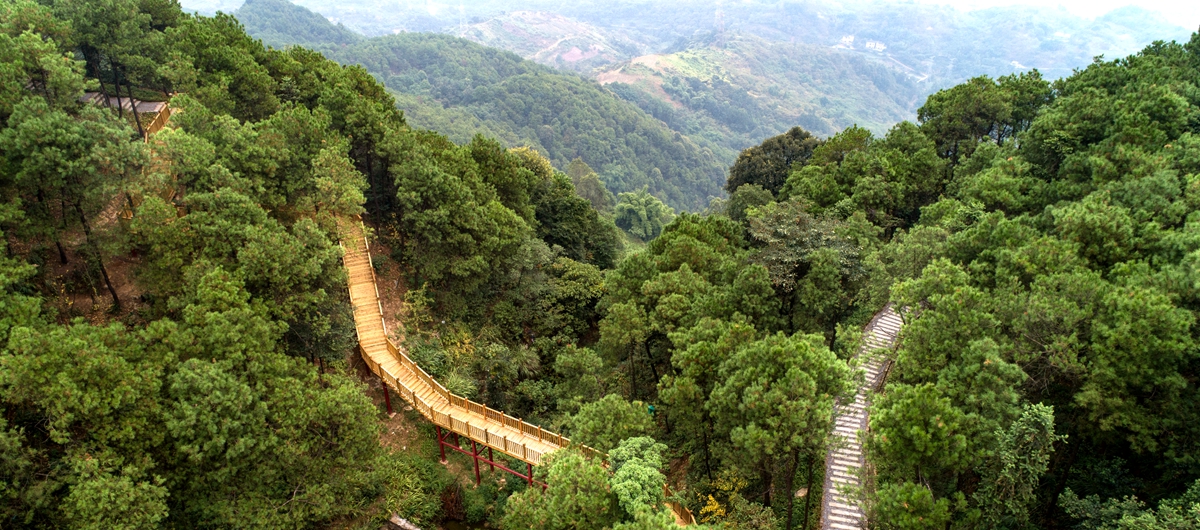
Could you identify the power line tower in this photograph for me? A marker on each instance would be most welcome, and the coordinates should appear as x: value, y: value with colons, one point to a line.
x: 720, y: 24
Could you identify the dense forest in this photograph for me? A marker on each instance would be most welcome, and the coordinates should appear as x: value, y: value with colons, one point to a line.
x: 1040, y: 239
x: 461, y: 89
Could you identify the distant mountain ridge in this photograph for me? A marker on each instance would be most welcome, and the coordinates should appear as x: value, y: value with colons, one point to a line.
x: 948, y: 44
x: 460, y: 89
x: 747, y: 88
x: 279, y: 23
x: 705, y: 84
x: 553, y: 40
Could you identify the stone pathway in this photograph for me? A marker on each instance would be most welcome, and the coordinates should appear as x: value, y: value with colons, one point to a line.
x: 838, y: 510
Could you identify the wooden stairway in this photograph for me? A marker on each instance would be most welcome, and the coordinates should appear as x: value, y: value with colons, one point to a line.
x: 492, y: 428
x: 478, y: 423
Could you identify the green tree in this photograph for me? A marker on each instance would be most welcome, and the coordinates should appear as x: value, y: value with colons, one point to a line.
x: 637, y: 479
x: 642, y: 214
x: 769, y: 163
x: 747, y: 196
x: 114, y: 498
x: 566, y: 221
x: 68, y: 168
x: 578, y: 497
x: 1129, y: 513
x: 602, y: 424
x: 1011, y: 480
x: 816, y: 270
x: 921, y: 435
x: 31, y: 38
x: 624, y: 329
x: 908, y: 506
x: 588, y: 185
x: 699, y: 353
x: 775, y: 403
x: 581, y: 370
x: 648, y: 520
x: 450, y: 217
x: 982, y: 109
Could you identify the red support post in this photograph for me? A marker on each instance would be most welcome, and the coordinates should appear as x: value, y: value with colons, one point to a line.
x: 387, y: 398
x: 441, y: 443
x: 491, y: 460
x: 475, y: 454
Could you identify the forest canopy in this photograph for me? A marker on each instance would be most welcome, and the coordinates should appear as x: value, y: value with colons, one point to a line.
x: 177, y: 347
x: 460, y: 89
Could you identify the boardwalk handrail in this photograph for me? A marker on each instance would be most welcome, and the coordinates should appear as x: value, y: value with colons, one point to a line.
x: 490, y: 437
x: 683, y: 516
x: 490, y: 431
x: 159, y: 122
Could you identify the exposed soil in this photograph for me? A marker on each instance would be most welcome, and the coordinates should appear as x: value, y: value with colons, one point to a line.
x: 76, y: 288
x: 617, y: 76
x: 389, y: 279
x: 653, y: 83
x: 399, y: 430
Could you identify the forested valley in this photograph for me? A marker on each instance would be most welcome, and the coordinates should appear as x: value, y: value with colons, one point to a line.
x: 178, y: 347
x: 462, y: 89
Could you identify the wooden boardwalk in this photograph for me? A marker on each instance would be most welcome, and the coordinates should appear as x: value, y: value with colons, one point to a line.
x: 491, y: 428
x: 478, y: 423
x: 840, y: 509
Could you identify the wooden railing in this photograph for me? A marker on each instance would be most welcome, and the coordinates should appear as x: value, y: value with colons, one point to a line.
x: 479, y: 433
x: 159, y: 122
x: 683, y: 516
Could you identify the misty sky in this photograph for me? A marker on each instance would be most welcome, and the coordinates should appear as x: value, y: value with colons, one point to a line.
x: 1185, y: 13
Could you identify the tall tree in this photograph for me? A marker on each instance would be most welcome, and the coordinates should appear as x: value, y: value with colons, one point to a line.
x: 775, y: 403
x: 578, y: 497
x: 69, y: 168
x: 769, y: 163
x: 642, y: 214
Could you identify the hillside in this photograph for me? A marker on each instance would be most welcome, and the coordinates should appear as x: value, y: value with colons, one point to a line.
x: 993, y: 311
x: 279, y: 23
x: 461, y: 89
x: 553, y: 40
x: 739, y: 91
x: 727, y: 75
x: 948, y: 44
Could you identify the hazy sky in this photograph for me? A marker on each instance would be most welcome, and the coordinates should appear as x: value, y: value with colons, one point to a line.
x: 1185, y: 13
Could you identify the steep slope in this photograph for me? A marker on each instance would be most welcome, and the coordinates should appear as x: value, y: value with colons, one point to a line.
x: 280, y: 23
x: 740, y: 89
x: 554, y: 40
x: 460, y: 88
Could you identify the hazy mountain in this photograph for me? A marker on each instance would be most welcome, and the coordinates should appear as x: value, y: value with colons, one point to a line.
x: 743, y: 88
x: 461, y: 89
x: 723, y: 76
x: 554, y: 40
x: 280, y: 23
x: 944, y: 43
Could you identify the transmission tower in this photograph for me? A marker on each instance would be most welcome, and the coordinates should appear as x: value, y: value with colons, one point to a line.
x: 720, y: 24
